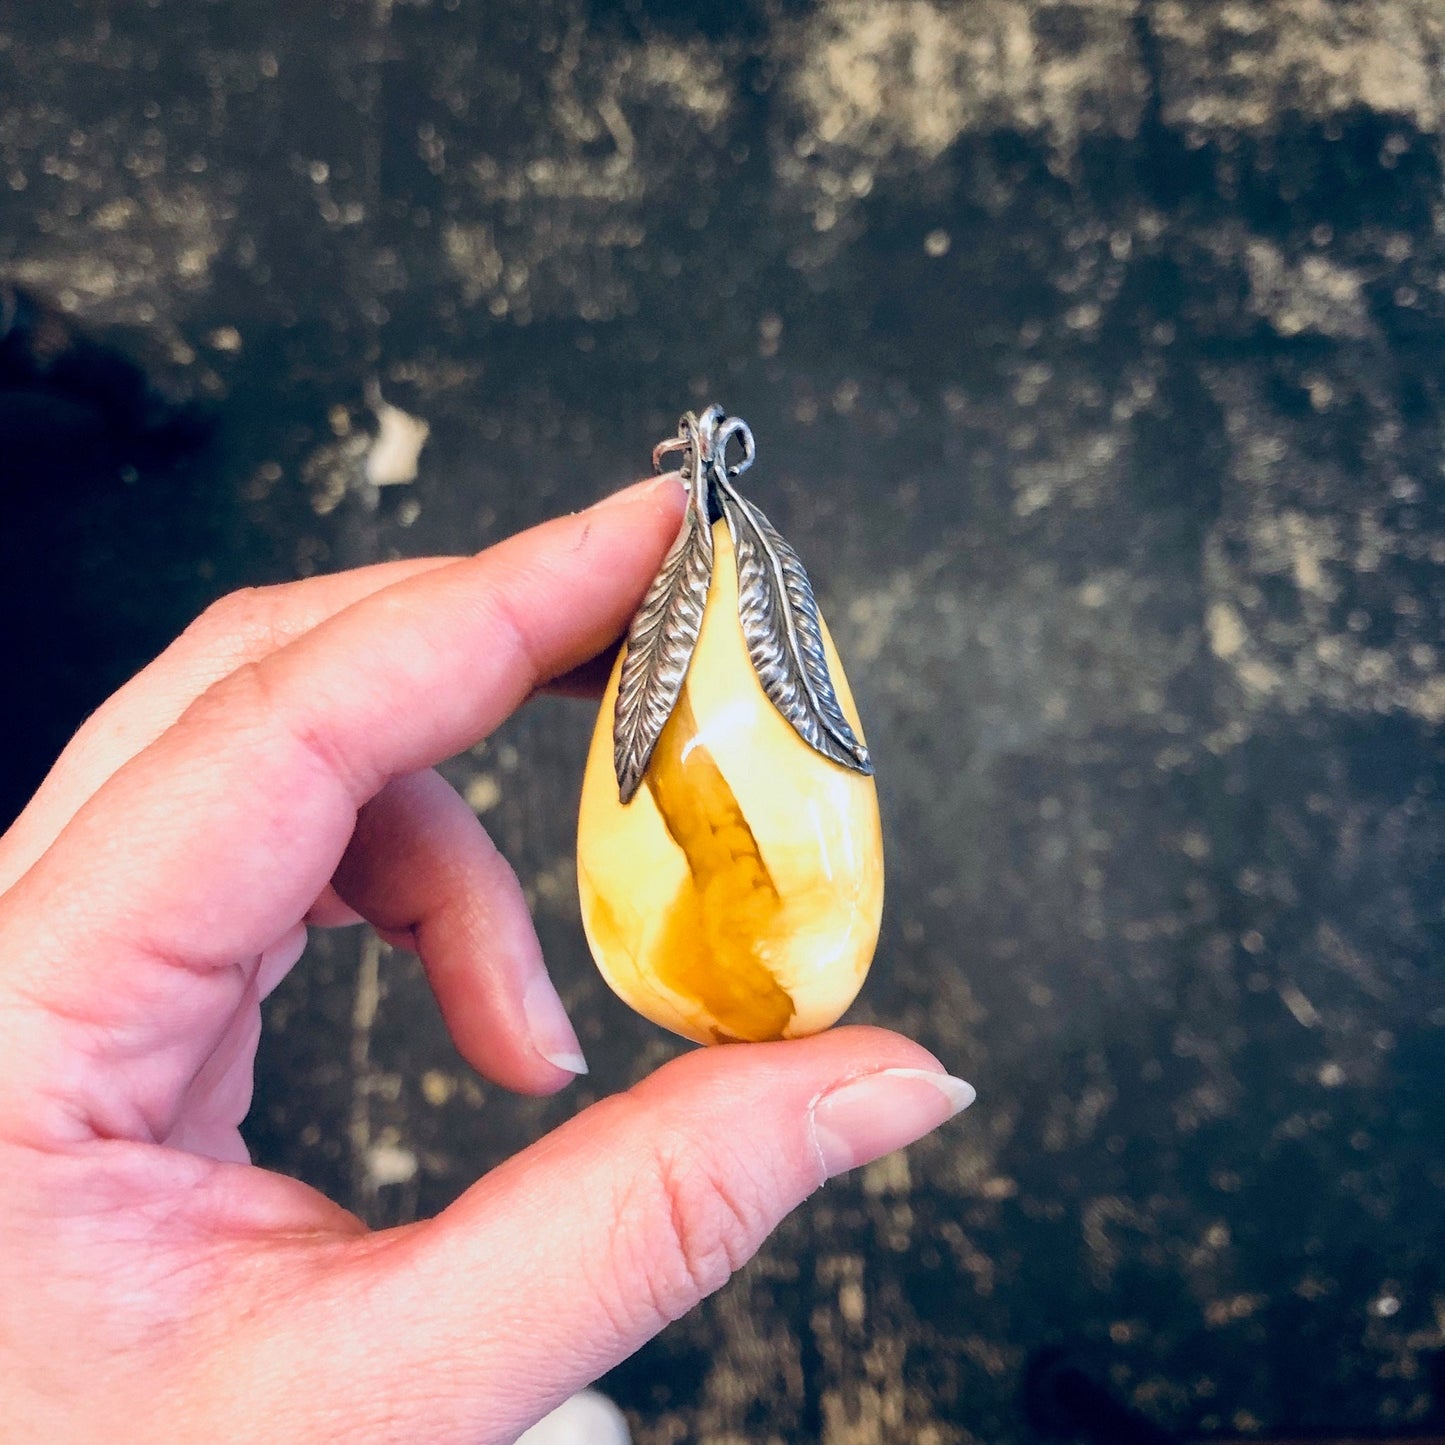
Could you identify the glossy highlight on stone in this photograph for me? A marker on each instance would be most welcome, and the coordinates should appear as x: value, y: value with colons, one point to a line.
x: 738, y: 895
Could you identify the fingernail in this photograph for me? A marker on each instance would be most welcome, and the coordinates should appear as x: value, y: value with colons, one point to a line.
x: 549, y: 1027
x: 869, y: 1117
x: 641, y: 490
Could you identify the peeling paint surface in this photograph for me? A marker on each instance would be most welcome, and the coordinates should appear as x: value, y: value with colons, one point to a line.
x: 1093, y: 356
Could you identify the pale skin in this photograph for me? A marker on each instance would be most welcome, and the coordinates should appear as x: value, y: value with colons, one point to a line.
x: 273, y: 771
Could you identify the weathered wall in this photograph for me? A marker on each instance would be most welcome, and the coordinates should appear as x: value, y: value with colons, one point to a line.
x: 1093, y: 353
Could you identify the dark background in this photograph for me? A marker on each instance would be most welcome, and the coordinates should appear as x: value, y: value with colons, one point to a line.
x: 1094, y: 357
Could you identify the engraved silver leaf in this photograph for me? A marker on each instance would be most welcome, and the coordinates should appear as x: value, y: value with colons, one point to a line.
x: 784, y: 635
x: 660, y: 645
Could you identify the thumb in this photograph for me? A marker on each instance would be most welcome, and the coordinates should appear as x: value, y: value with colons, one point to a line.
x: 563, y: 1261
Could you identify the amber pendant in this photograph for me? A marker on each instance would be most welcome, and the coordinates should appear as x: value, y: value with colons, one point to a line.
x: 729, y: 858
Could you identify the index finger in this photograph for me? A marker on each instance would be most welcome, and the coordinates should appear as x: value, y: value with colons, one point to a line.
x: 218, y: 836
x: 239, y: 628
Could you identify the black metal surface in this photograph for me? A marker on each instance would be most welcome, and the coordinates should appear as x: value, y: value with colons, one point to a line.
x: 1094, y: 352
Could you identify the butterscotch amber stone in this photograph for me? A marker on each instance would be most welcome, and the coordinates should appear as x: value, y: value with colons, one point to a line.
x: 738, y: 895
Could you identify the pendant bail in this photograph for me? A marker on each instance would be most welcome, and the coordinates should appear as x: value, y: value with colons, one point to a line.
x: 777, y: 611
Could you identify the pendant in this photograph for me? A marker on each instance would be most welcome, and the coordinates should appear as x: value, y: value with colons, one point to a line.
x: 729, y: 856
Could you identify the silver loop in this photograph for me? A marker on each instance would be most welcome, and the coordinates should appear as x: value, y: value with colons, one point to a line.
x: 708, y: 435
x: 672, y: 444
x: 734, y: 427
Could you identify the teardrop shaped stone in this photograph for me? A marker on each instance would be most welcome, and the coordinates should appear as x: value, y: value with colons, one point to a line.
x: 738, y: 895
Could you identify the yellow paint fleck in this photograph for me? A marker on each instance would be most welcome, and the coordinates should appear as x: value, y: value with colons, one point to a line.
x: 483, y: 792
x: 1226, y: 631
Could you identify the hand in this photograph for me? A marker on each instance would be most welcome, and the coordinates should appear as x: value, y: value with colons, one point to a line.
x: 270, y: 770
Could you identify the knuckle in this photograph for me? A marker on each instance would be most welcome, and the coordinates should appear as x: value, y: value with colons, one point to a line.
x: 512, y: 641
x: 285, y: 721
x: 237, y: 703
x: 238, y: 620
x: 705, y: 1222
x: 268, y: 720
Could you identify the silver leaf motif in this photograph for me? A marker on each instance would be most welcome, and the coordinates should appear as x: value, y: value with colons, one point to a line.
x: 660, y: 645
x: 784, y: 635
x: 776, y: 609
